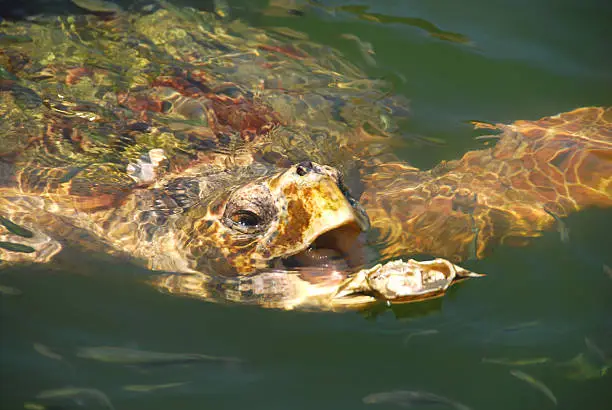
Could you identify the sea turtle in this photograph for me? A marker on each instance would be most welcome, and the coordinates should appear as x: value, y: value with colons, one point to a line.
x: 249, y: 165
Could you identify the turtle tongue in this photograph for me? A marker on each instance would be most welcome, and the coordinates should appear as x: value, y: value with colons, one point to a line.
x: 337, y: 250
x: 345, y: 242
x: 318, y: 258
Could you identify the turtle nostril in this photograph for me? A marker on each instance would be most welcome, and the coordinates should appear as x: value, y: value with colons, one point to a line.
x: 304, y: 167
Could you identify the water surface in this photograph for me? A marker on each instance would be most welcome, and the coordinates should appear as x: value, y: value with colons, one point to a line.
x: 456, y: 62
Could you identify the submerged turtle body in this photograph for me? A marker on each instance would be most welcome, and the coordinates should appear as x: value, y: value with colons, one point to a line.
x: 209, y: 148
x: 537, y: 172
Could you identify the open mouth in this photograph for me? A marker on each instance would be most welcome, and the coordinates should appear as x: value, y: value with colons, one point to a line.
x: 339, y: 249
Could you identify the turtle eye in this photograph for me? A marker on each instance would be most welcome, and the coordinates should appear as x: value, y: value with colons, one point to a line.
x: 249, y: 210
x: 245, y: 221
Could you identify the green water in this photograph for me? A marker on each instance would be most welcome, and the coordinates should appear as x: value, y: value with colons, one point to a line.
x: 517, y: 60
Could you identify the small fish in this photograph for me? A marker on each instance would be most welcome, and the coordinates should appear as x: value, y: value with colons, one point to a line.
x: 98, y: 6
x: 284, y: 8
x: 607, y: 270
x: 33, y: 406
x: 581, y: 368
x: 426, y: 332
x: 519, y: 362
x: 9, y: 290
x: 561, y: 227
x: 46, y: 351
x: 77, y: 394
x: 71, y: 173
x: 487, y: 137
x: 426, y: 140
x: 520, y: 326
x: 564, y: 231
x: 432, y: 140
x: 289, y: 32
x: 222, y: 8
x: 6, y: 39
x: 535, y: 383
x: 406, y: 398
x: 366, y: 49
x: 16, y: 247
x: 122, y: 355
x: 4, y: 74
x: 15, y: 229
x: 473, y: 246
x: 597, y: 351
x: 386, y: 122
x: 152, y: 387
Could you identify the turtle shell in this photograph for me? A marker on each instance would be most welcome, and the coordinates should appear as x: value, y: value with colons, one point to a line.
x: 86, y: 100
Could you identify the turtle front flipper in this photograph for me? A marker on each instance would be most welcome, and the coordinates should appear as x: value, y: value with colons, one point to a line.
x: 400, y: 282
x: 538, y: 172
x: 396, y: 282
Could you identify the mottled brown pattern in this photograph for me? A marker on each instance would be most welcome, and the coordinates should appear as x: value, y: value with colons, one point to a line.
x: 558, y: 164
x: 204, y: 147
x: 299, y: 218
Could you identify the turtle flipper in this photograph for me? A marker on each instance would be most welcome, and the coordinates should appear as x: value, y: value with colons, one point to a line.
x: 538, y: 172
x: 400, y: 282
x: 396, y: 282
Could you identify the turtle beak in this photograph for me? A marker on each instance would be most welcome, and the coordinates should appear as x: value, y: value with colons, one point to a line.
x: 319, y: 221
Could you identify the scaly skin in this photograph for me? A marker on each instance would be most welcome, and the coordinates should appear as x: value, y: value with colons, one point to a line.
x: 457, y: 209
x: 537, y: 172
x: 152, y: 134
x: 297, y: 207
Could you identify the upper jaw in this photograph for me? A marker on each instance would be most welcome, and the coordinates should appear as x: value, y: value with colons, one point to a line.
x: 317, y: 216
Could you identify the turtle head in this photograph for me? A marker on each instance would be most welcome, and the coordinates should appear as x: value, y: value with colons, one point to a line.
x: 300, y: 217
